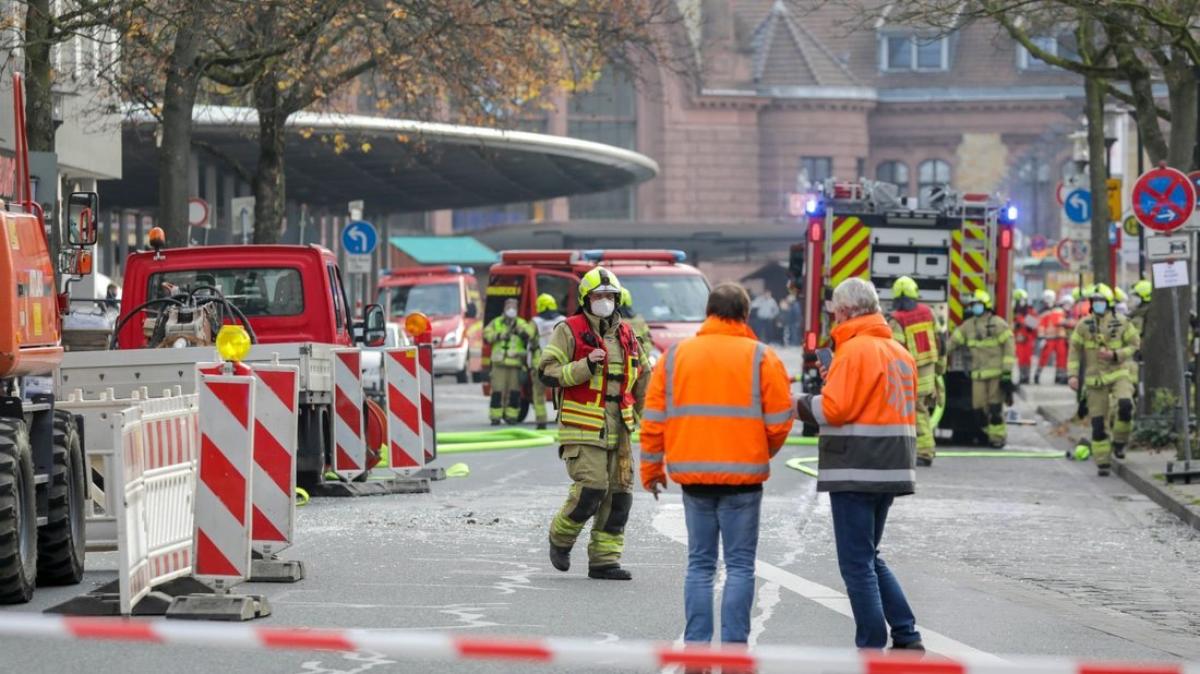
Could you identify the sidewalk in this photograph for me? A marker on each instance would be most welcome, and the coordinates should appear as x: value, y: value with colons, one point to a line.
x: 1143, y: 470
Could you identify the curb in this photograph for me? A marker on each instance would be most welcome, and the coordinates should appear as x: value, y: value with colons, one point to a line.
x: 1147, y: 487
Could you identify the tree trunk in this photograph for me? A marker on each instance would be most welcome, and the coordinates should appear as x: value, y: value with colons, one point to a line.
x: 179, y: 98
x: 1160, y: 341
x: 39, y: 97
x: 269, y: 184
x: 1097, y: 177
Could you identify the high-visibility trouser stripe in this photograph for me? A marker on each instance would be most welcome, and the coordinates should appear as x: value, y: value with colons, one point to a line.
x: 986, y: 374
x: 652, y: 457
x: 719, y: 467
x: 870, y: 430
x: 867, y: 475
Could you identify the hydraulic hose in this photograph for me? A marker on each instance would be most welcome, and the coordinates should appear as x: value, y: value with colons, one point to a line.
x: 114, y: 339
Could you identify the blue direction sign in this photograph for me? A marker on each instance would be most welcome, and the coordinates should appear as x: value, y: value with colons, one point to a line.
x: 1163, y: 199
x: 1078, y: 206
x: 360, y: 238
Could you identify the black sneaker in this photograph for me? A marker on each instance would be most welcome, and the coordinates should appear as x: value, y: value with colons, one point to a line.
x: 1119, y: 450
x: 613, y: 572
x: 495, y: 422
x: 541, y: 426
x: 911, y: 646
x: 560, y: 557
x: 1102, y: 471
x: 924, y: 461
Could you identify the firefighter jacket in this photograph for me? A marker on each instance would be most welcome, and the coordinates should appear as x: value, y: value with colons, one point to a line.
x: 1051, y: 324
x: 1138, y: 318
x: 718, y: 408
x: 990, y: 342
x: 545, y: 323
x: 1025, y: 324
x: 867, y: 411
x: 1111, y: 331
x: 510, y: 340
x: 917, y: 331
x: 599, y: 401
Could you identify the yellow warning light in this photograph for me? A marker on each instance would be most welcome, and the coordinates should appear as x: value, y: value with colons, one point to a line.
x: 157, y: 237
x: 233, y: 343
x: 416, y: 324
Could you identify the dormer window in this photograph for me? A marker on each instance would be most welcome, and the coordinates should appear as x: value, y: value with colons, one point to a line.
x: 900, y: 52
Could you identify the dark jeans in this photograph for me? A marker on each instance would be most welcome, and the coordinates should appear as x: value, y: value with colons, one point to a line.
x: 875, y: 595
x: 733, y: 519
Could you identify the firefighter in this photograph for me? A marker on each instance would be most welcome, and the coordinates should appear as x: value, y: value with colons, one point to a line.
x: 595, y: 359
x: 1106, y: 342
x: 510, y: 337
x: 1139, y: 298
x: 914, y: 326
x: 990, y: 342
x: 1025, y: 334
x: 1053, y: 338
x: 639, y: 325
x: 547, y: 318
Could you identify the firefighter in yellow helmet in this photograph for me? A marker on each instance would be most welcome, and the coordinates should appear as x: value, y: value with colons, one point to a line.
x: 544, y: 321
x: 1105, y: 342
x: 914, y: 326
x: 596, y: 361
x: 640, y: 328
x: 511, y: 338
x: 1139, y: 298
x: 989, y: 342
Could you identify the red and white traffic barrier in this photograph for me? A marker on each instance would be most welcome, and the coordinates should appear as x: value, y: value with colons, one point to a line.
x: 406, y: 453
x: 350, y: 447
x: 428, y: 423
x: 561, y: 653
x: 223, y: 491
x: 276, y: 407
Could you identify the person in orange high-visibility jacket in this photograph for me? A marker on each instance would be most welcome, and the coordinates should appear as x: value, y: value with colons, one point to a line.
x: 867, y: 412
x: 717, y: 409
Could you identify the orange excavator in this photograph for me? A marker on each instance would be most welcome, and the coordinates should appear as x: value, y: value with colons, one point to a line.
x: 43, y: 477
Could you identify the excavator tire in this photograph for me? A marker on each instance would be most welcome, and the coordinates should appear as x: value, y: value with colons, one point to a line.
x: 18, y: 515
x: 61, y: 539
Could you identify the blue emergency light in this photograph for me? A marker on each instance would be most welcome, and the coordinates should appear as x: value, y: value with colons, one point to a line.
x: 815, y: 206
x: 1009, y: 214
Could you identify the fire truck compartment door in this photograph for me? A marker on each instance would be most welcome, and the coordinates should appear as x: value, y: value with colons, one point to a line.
x: 933, y: 264
x: 910, y: 238
x: 893, y: 264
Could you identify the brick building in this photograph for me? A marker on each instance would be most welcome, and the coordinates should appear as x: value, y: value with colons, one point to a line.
x: 789, y: 94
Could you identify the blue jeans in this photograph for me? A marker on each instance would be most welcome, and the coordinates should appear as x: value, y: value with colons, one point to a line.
x: 733, y: 519
x: 875, y: 595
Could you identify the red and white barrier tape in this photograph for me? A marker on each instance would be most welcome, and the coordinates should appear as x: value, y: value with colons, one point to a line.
x: 626, y: 655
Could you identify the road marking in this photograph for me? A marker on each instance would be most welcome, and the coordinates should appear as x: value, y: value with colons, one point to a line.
x: 669, y: 522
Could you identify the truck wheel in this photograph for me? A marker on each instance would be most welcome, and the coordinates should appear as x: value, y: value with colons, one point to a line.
x: 18, y: 515
x: 61, y: 540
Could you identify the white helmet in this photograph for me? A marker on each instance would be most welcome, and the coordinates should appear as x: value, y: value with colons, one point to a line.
x: 1048, y: 297
x: 1066, y: 302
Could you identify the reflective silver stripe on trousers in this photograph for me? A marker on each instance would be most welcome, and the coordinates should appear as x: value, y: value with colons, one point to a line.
x: 719, y: 467
x: 867, y: 475
x: 871, y: 430
x: 655, y: 457
x: 818, y: 411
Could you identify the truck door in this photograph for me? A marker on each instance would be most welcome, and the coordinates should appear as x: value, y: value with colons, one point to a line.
x: 341, y: 308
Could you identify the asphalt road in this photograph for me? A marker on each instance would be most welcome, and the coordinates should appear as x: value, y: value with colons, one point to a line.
x: 997, y: 556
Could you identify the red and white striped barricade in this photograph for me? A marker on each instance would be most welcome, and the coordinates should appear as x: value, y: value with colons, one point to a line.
x: 406, y: 448
x: 428, y: 422
x: 223, y: 506
x: 349, y: 443
x: 276, y: 408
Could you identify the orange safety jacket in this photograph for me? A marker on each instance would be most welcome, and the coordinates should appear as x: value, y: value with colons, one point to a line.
x: 718, y: 408
x: 867, y: 411
x: 1050, y: 325
x: 583, y: 405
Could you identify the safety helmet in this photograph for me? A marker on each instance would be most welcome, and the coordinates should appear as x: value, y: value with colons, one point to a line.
x: 1119, y: 294
x: 1100, y: 291
x: 626, y: 298
x: 1020, y: 295
x: 1143, y: 289
x: 983, y: 298
x: 905, y: 287
x: 598, y: 280
x: 546, y: 302
x: 1077, y: 293
x: 1083, y: 450
x: 1066, y: 302
x: 1048, y: 296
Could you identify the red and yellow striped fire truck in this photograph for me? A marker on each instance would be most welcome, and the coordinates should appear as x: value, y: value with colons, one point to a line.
x: 951, y: 246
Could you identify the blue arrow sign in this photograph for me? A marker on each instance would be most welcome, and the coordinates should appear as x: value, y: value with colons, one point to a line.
x: 360, y: 238
x: 1078, y: 206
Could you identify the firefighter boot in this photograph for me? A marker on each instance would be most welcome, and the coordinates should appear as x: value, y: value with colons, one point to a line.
x: 1024, y: 375
x: 560, y: 557
x: 609, y: 572
x: 1118, y: 449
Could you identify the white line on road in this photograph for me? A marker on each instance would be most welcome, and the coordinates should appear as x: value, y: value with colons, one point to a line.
x: 669, y: 522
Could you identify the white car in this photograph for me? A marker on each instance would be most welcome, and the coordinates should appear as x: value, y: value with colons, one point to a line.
x: 372, y: 359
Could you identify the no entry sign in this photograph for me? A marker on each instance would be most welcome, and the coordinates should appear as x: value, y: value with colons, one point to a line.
x: 1163, y: 199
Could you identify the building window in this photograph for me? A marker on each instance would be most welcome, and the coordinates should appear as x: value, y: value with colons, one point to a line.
x: 930, y: 174
x: 914, y: 52
x: 1061, y: 45
x: 605, y: 114
x: 816, y: 169
x: 895, y: 172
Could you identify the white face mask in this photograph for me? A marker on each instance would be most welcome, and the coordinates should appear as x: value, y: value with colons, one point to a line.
x: 510, y: 313
x: 603, y: 308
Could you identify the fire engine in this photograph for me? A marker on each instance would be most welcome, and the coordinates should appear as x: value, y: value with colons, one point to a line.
x: 957, y: 244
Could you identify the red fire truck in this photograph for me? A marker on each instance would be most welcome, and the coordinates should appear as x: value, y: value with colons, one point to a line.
x: 955, y: 245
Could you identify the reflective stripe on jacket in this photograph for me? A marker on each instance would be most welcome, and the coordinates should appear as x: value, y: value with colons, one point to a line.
x: 1110, y: 331
x: 916, y: 330
x: 718, y: 408
x: 990, y: 340
x: 510, y: 340
x: 867, y: 410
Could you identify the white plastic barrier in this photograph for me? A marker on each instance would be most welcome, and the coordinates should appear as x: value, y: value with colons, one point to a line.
x: 406, y: 455
x: 428, y: 420
x: 276, y: 406
x: 350, y: 445
x: 156, y: 465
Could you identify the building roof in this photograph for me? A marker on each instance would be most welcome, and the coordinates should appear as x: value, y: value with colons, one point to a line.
x: 445, y: 249
x: 395, y: 165
x: 787, y: 54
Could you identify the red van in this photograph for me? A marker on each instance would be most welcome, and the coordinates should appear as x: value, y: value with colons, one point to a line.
x: 449, y: 296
